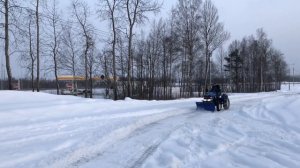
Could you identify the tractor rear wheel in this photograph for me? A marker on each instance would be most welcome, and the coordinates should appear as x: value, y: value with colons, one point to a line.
x: 226, y: 104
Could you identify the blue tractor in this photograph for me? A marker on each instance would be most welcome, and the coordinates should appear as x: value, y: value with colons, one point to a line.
x: 214, y: 99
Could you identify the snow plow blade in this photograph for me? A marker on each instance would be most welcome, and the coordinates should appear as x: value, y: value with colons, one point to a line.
x: 209, y: 106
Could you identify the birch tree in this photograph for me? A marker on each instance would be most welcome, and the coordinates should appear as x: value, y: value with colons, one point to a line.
x: 81, y: 13
x: 28, y: 56
x: 70, y: 55
x: 187, y: 27
x: 37, y: 21
x: 136, y: 13
x: 212, y: 33
x: 110, y: 10
x: 9, y: 9
x: 55, y: 39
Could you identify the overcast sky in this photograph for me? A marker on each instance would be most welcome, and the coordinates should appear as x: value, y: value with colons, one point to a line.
x: 279, y: 18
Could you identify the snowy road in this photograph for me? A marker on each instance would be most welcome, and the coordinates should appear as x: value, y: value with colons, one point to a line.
x: 41, y: 130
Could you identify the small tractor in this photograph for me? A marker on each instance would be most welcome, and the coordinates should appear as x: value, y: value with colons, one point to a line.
x: 214, y: 100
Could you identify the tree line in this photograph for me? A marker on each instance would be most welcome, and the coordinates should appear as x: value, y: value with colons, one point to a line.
x: 174, y: 54
x: 254, y: 65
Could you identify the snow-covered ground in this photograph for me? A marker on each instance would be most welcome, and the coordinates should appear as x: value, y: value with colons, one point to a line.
x: 44, y: 130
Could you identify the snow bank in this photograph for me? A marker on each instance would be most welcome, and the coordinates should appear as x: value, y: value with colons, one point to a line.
x: 44, y: 130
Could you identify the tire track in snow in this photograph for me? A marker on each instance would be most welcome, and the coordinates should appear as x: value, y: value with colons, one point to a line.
x: 165, y: 124
x: 87, y: 153
x: 138, y: 163
x: 142, y: 142
x: 261, y: 134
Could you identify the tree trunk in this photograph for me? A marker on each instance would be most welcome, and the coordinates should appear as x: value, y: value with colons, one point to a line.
x: 73, y: 70
x: 31, y: 56
x: 86, y: 69
x: 56, y: 74
x: 55, y: 68
x: 114, y: 58
x: 7, y: 56
x: 129, y: 84
x: 123, y: 70
x: 55, y: 58
x: 37, y: 47
x: 91, y: 81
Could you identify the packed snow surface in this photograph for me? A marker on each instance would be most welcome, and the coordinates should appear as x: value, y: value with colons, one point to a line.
x: 44, y: 130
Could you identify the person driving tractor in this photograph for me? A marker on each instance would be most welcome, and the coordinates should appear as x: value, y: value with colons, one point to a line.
x: 217, y: 90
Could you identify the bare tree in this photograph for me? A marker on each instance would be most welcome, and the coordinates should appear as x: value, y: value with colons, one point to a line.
x: 140, y: 63
x: 31, y: 53
x: 11, y: 10
x: 136, y: 11
x: 187, y: 28
x: 28, y: 57
x: 264, y: 48
x: 37, y: 17
x: 154, y: 47
x: 81, y: 12
x: 55, y: 39
x: 7, y: 12
x: 278, y: 66
x: 110, y: 9
x: 70, y: 55
x: 121, y: 62
x: 6, y: 38
x: 212, y: 33
x: 220, y: 58
x: 91, y: 65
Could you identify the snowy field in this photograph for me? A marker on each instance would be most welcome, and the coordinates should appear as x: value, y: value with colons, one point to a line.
x: 40, y: 130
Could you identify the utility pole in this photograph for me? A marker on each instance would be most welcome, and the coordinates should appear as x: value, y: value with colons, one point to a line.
x: 293, y: 76
x: 209, y: 71
x: 289, y: 78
